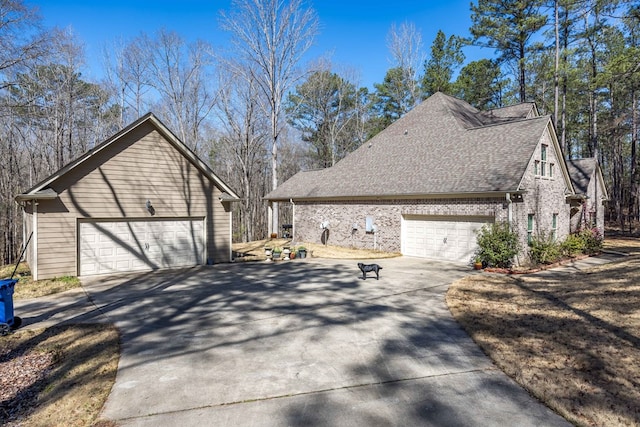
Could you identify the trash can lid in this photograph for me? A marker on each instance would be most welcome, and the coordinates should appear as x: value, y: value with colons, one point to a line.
x: 8, y: 282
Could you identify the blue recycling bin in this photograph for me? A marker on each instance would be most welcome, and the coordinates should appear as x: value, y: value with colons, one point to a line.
x: 6, y: 301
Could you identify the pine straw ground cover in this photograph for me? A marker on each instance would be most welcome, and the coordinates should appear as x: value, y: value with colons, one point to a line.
x: 60, y: 376
x: 573, y: 343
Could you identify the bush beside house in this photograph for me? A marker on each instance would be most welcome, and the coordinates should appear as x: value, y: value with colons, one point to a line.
x: 498, y: 245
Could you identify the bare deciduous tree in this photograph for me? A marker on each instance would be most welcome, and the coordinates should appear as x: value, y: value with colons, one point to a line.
x: 165, y: 74
x: 407, y: 53
x: 21, y: 38
x: 242, y: 145
x: 180, y: 72
x: 271, y: 36
x: 129, y: 78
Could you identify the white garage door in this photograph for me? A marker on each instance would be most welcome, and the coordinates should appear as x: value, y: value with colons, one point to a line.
x: 447, y: 238
x: 111, y: 247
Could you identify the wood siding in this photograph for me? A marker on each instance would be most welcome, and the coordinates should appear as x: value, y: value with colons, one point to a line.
x: 116, y: 184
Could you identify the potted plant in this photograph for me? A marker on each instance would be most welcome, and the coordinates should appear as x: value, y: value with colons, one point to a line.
x: 477, y: 263
x: 302, y: 252
x: 276, y: 252
x: 285, y: 253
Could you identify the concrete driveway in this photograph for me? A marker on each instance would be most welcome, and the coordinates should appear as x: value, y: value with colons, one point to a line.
x: 301, y: 343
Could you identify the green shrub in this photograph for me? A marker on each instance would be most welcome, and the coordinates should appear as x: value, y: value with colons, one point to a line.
x: 573, y: 245
x: 497, y: 245
x: 544, y: 250
x: 592, y: 240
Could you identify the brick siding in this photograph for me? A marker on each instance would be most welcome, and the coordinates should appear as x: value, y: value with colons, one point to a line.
x: 387, y: 216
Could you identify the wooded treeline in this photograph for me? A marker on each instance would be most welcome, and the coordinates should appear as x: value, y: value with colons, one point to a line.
x: 258, y: 114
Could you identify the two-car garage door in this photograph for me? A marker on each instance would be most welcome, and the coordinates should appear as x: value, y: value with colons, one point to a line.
x: 121, y: 246
x: 446, y: 238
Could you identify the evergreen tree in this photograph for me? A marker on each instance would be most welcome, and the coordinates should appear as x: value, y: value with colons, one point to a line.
x: 508, y: 26
x: 446, y: 57
x: 322, y: 108
x: 481, y: 84
x: 391, y: 100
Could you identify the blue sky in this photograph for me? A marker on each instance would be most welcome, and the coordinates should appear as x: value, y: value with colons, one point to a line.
x: 352, y: 32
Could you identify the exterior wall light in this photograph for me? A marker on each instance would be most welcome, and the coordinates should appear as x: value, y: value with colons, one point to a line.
x: 150, y: 208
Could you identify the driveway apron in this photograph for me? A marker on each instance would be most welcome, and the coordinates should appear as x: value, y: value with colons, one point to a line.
x: 301, y: 343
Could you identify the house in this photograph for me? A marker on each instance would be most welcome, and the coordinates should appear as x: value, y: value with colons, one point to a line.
x: 428, y: 182
x: 141, y: 200
x: 587, y: 207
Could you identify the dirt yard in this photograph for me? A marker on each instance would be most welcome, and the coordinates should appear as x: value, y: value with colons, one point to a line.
x: 255, y: 250
x: 575, y: 343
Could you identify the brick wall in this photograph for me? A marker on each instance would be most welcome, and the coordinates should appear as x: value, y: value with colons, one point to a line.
x: 590, y: 212
x: 387, y: 216
x: 544, y: 196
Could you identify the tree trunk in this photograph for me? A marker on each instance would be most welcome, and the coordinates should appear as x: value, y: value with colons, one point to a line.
x: 523, y: 83
x: 556, y: 69
x: 274, y: 168
x: 634, y: 199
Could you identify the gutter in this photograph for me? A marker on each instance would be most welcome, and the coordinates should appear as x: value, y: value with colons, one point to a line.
x: 509, y: 209
x: 48, y: 194
x: 408, y: 196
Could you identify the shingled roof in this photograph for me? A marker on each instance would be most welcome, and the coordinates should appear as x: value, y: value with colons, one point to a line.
x: 581, y: 171
x: 442, y: 146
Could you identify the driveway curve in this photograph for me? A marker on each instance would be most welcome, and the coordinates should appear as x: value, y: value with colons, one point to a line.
x: 304, y: 342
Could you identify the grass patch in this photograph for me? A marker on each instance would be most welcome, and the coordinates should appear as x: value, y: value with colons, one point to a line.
x: 28, y: 288
x: 574, y: 343
x: 77, y: 370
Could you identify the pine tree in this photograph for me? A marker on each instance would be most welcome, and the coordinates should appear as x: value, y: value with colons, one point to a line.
x: 508, y: 26
x: 446, y: 57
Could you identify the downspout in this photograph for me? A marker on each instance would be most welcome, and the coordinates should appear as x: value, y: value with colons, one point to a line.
x: 24, y: 225
x: 510, y: 219
x: 293, y: 220
x: 34, y: 267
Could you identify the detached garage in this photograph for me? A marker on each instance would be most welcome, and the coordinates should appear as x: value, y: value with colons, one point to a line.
x: 139, y: 201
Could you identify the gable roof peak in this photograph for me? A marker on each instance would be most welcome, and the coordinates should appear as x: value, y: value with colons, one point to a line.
x: 39, y: 188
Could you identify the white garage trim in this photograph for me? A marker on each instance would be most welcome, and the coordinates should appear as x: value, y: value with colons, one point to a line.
x: 116, y: 246
x: 450, y: 238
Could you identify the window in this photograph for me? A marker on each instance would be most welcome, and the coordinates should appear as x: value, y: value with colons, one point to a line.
x: 551, y: 170
x: 554, y: 226
x: 536, y: 167
x: 529, y: 228
x: 543, y: 159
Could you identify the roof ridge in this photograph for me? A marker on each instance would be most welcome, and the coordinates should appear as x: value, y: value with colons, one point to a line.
x: 510, y: 122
